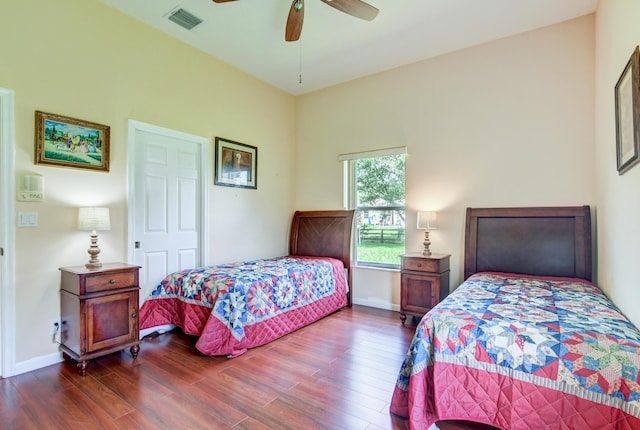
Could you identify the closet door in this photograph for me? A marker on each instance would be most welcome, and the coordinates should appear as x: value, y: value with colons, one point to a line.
x: 168, y: 202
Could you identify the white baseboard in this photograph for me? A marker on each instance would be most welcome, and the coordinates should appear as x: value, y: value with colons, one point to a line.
x: 37, y: 363
x: 56, y: 357
x: 376, y: 304
x: 160, y: 329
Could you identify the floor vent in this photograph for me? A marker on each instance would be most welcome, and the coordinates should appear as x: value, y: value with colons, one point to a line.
x: 183, y: 18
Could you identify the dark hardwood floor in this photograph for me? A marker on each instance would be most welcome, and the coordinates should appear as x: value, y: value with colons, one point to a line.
x: 337, y: 373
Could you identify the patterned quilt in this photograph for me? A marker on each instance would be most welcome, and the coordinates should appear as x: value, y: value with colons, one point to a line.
x: 519, y: 352
x: 236, y: 306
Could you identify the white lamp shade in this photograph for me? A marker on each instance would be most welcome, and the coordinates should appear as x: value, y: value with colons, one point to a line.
x: 426, y: 220
x: 93, y: 219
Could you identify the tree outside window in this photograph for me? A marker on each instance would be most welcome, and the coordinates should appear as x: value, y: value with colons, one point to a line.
x: 379, y: 189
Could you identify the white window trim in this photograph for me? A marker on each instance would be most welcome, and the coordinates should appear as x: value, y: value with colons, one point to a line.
x: 373, y: 154
x: 348, y: 200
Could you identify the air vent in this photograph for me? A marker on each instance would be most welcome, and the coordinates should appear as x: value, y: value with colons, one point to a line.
x: 183, y: 18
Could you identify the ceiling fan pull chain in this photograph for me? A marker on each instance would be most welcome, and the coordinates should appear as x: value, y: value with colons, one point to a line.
x: 300, y: 65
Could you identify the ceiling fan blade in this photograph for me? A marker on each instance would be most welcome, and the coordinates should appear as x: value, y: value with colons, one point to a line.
x: 294, y: 21
x: 222, y: 1
x: 356, y: 8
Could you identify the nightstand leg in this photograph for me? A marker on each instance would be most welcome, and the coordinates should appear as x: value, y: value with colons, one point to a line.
x: 403, y: 318
x: 82, y: 368
x: 135, y: 349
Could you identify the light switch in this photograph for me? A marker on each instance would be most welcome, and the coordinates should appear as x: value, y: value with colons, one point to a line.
x: 27, y: 219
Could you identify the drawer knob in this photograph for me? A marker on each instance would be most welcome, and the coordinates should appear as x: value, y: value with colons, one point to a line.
x: 419, y: 264
x: 112, y: 281
x: 134, y: 315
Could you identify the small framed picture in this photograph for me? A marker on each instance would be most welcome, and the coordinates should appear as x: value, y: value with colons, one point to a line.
x: 627, y: 98
x: 70, y: 142
x: 236, y: 164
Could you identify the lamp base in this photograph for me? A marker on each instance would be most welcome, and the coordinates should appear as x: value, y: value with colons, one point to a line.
x: 426, y: 243
x: 94, y: 250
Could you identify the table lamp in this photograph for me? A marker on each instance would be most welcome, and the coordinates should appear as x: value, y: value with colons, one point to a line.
x: 426, y: 222
x: 94, y: 219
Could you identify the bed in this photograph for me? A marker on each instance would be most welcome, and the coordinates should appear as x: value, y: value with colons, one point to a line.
x: 526, y: 341
x: 233, y: 307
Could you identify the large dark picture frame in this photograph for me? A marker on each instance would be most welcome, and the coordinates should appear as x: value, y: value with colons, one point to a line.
x: 627, y: 97
x: 236, y: 164
x: 70, y: 142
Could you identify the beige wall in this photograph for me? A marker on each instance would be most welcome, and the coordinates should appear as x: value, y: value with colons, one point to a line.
x: 507, y: 123
x: 618, y: 197
x: 85, y: 60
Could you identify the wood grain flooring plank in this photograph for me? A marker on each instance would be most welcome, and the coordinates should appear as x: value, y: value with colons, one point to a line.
x: 31, y: 388
x: 214, y: 403
x: 245, y: 390
x: 302, y: 415
x: 329, y: 414
x: 177, y: 413
x: 280, y: 356
x: 251, y: 424
x: 82, y: 411
x: 165, y: 372
x: 133, y: 392
x: 331, y: 393
x: 110, y: 402
x: 258, y: 374
x: 178, y: 372
x: 246, y: 398
x: 10, y: 396
x: 135, y: 421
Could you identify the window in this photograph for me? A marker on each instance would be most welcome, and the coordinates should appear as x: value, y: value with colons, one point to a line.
x: 377, y: 192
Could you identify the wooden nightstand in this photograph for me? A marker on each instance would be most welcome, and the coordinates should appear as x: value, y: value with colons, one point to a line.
x: 424, y: 282
x: 99, y: 312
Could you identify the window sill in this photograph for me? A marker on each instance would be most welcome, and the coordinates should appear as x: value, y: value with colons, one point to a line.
x: 384, y: 269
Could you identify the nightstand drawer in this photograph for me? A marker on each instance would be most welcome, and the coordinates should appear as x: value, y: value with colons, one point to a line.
x: 110, y: 281
x: 425, y: 265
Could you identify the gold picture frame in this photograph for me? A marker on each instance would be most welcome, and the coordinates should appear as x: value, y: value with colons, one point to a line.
x: 70, y: 142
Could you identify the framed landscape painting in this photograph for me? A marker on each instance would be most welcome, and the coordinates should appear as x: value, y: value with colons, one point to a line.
x: 236, y: 164
x: 70, y: 142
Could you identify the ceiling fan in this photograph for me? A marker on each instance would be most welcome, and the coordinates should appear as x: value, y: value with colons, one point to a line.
x: 356, y: 8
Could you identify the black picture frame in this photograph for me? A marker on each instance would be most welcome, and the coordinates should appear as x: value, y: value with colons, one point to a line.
x: 627, y: 99
x: 236, y: 164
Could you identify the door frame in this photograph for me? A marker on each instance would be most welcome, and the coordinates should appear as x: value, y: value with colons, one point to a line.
x: 204, y: 181
x: 7, y: 234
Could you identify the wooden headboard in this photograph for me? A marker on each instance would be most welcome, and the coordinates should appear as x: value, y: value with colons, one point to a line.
x: 543, y: 241
x: 323, y: 234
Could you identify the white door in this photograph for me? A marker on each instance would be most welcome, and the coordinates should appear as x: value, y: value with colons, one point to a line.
x: 7, y: 236
x: 167, y: 202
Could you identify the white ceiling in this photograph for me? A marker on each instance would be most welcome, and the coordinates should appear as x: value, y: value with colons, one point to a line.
x: 335, y: 47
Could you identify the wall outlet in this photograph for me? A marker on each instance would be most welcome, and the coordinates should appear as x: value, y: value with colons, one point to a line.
x: 56, y: 329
